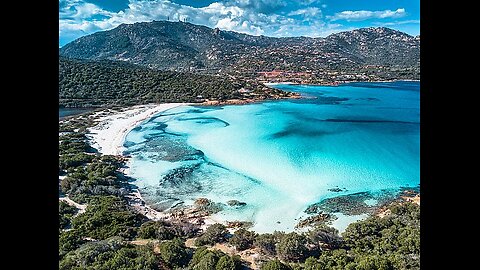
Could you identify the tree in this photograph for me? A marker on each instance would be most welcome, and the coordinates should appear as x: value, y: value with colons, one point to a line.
x: 216, y: 233
x: 292, y: 247
x: 266, y: 243
x: 112, y: 253
x: 208, y: 262
x: 204, y: 259
x: 312, y: 264
x: 242, y: 239
x: 68, y: 241
x: 106, y: 216
x: 275, y: 265
x: 148, y: 230
x: 325, y: 236
x: 65, y: 213
x: 174, y: 253
x: 228, y: 263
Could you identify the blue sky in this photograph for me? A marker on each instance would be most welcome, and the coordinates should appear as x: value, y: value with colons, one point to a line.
x: 314, y: 18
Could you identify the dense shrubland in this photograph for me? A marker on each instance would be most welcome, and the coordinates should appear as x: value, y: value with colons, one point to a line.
x: 85, y: 83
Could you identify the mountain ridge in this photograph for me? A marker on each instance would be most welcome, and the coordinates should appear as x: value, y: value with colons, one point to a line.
x: 382, y: 52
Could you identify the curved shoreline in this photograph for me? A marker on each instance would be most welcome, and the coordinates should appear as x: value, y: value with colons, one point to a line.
x: 108, y: 135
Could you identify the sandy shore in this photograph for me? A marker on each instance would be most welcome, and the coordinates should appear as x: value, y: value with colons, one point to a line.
x: 109, y: 134
x: 108, y: 137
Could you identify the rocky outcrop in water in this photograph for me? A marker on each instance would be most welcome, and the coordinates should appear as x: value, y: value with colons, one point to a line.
x: 318, y: 219
x: 236, y: 203
x: 352, y: 204
x: 207, y: 206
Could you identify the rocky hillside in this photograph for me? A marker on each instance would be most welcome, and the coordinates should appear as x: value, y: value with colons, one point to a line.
x: 184, y: 46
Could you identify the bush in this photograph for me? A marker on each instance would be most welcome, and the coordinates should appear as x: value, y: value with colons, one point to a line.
x: 275, y: 265
x: 107, y: 216
x: 148, y: 230
x: 65, y: 213
x: 207, y: 262
x: 204, y: 259
x: 229, y: 263
x: 292, y: 247
x: 66, y: 161
x: 185, y: 229
x: 266, y: 243
x: 174, y: 253
x: 325, y: 237
x: 112, y: 253
x: 242, y: 239
x: 156, y: 230
x: 216, y: 233
x: 68, y: 241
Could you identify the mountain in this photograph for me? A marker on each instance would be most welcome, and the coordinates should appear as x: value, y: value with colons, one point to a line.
x: 376, y: 52
x: 95, y: 83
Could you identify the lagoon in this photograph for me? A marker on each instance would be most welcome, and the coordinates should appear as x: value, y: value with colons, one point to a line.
x: 279, y: 157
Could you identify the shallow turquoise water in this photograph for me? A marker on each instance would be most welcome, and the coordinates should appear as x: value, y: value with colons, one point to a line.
x: 281, y: 156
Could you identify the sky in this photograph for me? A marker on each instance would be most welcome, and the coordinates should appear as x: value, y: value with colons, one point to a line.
x: 277, y: 18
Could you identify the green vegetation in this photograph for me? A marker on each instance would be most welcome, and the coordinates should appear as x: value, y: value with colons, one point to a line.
x: 65, y: 214
x: 174, y: 253
x: 391, y: 242
x: 204, y: 259
x: 156, y: 230
x: 266, y: 243
x: 292, y: 247
x: 242, y: 239
x: 216, y: 233
x: 98, y: 83
x: 107, y: 216
x: 69, y: 241
x: 95, y: 175
x: 228, y: 263
x: 326, y: 237
x: 112, y: 253
x: 275, y: 265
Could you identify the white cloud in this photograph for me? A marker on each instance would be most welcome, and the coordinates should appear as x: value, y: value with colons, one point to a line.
x: 261, y: 6
x: 399, y: 22
x: 256, y: 17
x: 75, y: 9
x: 310, y: 12
x: 361, y: 15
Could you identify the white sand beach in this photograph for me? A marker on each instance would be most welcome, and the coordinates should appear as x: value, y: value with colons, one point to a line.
x: 108, y: 137
x: 109, y: 134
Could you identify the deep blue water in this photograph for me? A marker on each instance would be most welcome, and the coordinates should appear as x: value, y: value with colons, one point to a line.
x: 282, y: 156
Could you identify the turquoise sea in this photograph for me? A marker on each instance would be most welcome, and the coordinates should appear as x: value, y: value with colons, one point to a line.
x: 279, y: 157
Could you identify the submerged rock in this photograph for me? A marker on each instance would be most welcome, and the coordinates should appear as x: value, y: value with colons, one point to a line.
x: 318, y: 219
x: 207, y: 206
x: 313, y: 209
x: 352, y: 204
x: 202, y: 202
x: 239, y: 224
x: 335, y: 189
x: 236, y: 203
